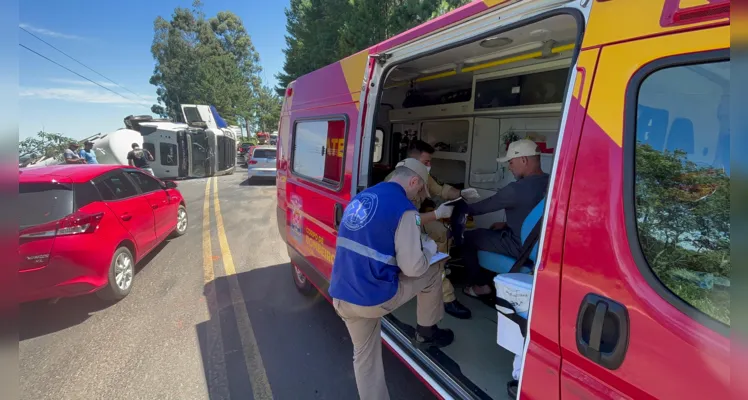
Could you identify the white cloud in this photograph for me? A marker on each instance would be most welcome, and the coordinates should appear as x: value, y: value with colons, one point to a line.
x: 81, y: 82
x: 47, y: 32
x: 84, y: 95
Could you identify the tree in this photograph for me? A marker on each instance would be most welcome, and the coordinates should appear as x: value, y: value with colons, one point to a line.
x: 45, y: 144
x: 268, y: 110
x: 320, y: 32
x: 204, y: 61
x: 312, y: 37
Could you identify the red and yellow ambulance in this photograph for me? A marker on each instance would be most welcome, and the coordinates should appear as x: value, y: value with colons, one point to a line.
x: 630, y: 101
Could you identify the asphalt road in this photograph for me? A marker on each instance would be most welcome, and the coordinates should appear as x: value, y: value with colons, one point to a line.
x: 212, y: 315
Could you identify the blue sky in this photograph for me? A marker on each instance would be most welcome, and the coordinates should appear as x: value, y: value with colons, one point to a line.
x: 114, y: 38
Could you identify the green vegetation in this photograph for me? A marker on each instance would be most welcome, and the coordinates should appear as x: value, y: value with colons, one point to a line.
x: 45, y: 144
x: 202, y: 60
x: 683, y: 214
x: 324, y: 31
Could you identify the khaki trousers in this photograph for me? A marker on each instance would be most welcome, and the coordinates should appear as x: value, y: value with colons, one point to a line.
x: 438, y: 232
x: 364, y: 326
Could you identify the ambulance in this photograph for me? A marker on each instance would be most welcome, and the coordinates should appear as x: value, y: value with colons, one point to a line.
x: 628, y: 101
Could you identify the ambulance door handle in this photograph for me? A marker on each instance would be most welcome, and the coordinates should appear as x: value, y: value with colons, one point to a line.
x: 602, y: 332
x: 338, y: 215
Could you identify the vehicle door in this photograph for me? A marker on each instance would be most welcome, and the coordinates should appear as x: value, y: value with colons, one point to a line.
x: 164, y: 212
x: 645, y: 304
x: 131, y: 207
x: 318, y: 187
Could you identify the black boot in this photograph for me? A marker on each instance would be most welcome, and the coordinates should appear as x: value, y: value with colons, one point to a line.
x: 457, y: 310
x: 511, y: 388
x: 434, y: 336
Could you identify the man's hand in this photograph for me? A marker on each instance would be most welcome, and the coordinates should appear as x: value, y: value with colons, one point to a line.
x: 444, y: 211
x: 496, y: 226
x: 470, y: 194
x: 429, y: 245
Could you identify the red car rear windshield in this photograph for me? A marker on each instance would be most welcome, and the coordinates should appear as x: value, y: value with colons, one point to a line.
x: 40, y: 203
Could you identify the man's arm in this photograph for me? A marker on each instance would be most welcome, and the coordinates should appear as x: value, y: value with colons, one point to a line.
x: 504, y: 198
x: 70, y: 158
x: 149, y: 155
x: 411, y: 258
x: 129, y: 159
x: 446, y: 192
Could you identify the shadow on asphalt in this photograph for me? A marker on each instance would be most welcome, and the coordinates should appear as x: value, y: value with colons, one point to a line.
x: 41, y: 318
x: 305, y: 347
x: 258, y: 182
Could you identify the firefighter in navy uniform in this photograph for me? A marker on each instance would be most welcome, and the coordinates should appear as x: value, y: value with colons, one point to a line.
x: 382, y: 261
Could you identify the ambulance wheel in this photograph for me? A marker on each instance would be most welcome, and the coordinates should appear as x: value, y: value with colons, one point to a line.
x: 302, y: 283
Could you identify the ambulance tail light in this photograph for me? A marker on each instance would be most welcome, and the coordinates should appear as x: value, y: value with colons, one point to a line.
x: 673, y: 15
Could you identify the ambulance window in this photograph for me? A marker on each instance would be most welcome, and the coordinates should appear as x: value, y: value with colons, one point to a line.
x: 681, y: 182
x: 319, y: 149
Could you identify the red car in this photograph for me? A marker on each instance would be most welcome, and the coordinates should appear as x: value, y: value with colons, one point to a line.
x: 83, y: 228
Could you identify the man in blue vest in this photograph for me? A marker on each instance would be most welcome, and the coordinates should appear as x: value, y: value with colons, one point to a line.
x: 382, y: 261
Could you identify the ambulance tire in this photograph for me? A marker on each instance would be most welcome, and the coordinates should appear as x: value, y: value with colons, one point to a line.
x: 302, y: 283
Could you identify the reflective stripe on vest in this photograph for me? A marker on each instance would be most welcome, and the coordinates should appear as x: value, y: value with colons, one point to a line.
x: 366, y: 251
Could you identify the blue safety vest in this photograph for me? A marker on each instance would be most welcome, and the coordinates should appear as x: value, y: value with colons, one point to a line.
x: 365, y: 270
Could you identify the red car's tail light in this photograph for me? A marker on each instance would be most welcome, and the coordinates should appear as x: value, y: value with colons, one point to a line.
x: 73, y: 224
x: 79, y: 223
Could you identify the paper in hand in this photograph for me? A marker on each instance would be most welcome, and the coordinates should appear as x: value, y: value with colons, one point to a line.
x: 453, y: 201
x: 438, y: 257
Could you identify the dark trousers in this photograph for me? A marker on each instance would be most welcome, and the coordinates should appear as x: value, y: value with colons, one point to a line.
x: 494, y: 241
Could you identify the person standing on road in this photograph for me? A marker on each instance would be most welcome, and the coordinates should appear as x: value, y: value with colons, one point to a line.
x: 88, y: 154
x: 140, y: 158
x: 71, y: 154
x: 382, y: 261
x: 436, y: 230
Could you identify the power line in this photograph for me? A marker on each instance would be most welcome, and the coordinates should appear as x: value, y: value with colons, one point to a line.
x: 92, y: 81
x: 84, y: 65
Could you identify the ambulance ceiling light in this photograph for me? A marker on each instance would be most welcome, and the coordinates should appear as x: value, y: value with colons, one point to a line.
x: 441, y: 68
x: 523, y: 48
x: 401, y: 74
x: 495, y: 42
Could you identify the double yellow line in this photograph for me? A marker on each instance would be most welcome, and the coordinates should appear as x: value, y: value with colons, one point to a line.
x: 252, y: 357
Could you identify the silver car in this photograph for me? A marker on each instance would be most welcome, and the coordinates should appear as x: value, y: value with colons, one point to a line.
x: 261, y: 163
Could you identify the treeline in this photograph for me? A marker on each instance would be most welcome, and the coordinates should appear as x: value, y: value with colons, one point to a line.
x: 320, y: 32
x: 201, y: 60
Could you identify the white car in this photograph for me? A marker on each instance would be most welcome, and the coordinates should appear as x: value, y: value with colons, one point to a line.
x: 261, y: 163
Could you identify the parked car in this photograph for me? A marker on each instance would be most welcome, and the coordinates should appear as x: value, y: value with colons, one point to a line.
x: 244, y: 148
x: 261, y: 162
x: 83, y: 228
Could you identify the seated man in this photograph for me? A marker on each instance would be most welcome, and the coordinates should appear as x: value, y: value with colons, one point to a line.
x: 435, y: 229
x: 517, y: 199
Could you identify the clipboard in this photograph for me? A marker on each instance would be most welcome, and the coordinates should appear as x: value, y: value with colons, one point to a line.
x: 438, y: 257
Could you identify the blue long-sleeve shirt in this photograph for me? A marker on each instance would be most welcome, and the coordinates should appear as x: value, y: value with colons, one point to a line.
x: 517, y: 199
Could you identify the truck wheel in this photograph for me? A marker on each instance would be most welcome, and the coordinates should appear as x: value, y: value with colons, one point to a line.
x: 121, y: 275
x: 302, y: 283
